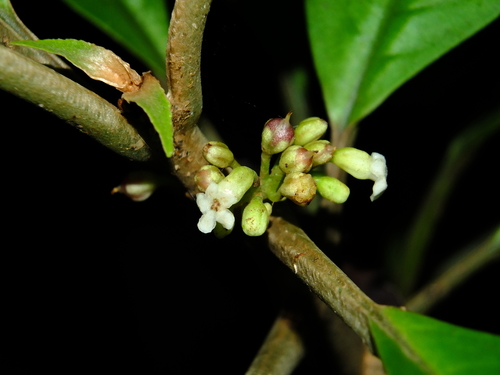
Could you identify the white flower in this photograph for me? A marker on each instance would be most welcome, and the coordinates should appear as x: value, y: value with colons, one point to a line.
x: 363, y: 166
x: 214, y: 205
x: 378, y: 173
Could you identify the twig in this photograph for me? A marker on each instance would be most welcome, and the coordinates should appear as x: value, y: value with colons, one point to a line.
x: 292, y: 246
x: 459, y: 153
x: 456, y: 274
x: 183, y: 75
x: 71, y: 102
x: 281, y: 351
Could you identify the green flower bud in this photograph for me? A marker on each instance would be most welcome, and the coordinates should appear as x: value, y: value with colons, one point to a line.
x: 255, y: 218
x: 332, y: 188
x: 218, y: 154
x: 277, y: 135
x: 139, y: 185
x: 363, y: 166
x: 310, y: 129
x: 296, y: 159
x: 206, y: 175
x: 300, y: 188
x: 221, y: 232
x: 238, y: 182
x: 323, y: 151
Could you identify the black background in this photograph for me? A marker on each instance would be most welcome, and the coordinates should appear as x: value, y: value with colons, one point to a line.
x: 93, y: 281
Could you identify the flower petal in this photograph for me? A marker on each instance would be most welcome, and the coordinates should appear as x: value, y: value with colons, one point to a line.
x: 226, y: 218
x: 207, y: 222
x: 204, y: 202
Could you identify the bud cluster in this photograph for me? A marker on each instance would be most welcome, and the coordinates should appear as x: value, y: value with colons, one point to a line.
x: 296, y: 151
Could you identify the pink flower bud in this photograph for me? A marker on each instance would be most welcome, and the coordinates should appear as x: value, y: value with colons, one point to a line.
x: 206, y: 175
x: 296, y: 159
x: 323, y: 151
x: 277, y: 135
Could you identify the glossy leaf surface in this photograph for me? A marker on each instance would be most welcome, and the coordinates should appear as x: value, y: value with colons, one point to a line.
x: 139, y: 25
x: 103, y: 65
x: 416, y: 344
x: 152, y: 99
x: 364, y: 50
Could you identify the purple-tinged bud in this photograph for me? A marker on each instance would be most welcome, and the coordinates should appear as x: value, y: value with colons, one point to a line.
x: 277, y: 135
x: 139, y: 185
x: 255, y: 218
x: 218, y: 154
x: 206, y: 175
x: 332, y: 189
x: 300, y: 188
x: 296, y: 159
x: 310, y: 129
x: 323, y: 151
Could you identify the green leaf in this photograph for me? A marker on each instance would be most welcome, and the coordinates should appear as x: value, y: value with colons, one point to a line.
x: 364, y: 50
x: 140, y: 26
x: 416, y: 344
x: 99, y: 63
x: 152, y: 99
x: 12, y: 28
x: 103, y: 65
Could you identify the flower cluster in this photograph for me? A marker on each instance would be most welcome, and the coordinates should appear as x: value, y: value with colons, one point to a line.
x: 225, y: 184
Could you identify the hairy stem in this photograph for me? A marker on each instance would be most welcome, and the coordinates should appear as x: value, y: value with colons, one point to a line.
x: 71, y: 102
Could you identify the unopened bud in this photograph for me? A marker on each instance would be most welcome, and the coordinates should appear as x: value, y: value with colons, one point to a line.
x: 139, y: 185
x: 300, y: 188
x: 296, y: 159
x: 363, y: 166
x: 218, y: 154
x: 255, y: 218
x: 323, y: 151
x: 206, y: 175
x: 332, y: 189
x: 220, y: 232
x: 238, y: 182
x: 310, y: 129
x: 277, y: 135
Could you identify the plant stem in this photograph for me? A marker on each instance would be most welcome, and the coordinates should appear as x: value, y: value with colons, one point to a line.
x: 265, y: 165
x: 456, y: 274
x: 71, y: 102
x: 183, y: 75
x: 406, y: 264
x: 292, y: 246
x: 281, y: 351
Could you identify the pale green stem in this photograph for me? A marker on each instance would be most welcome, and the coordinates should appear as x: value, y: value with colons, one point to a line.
x: 270, y: 182
x: 456, y: 274
x: 407, y: 260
